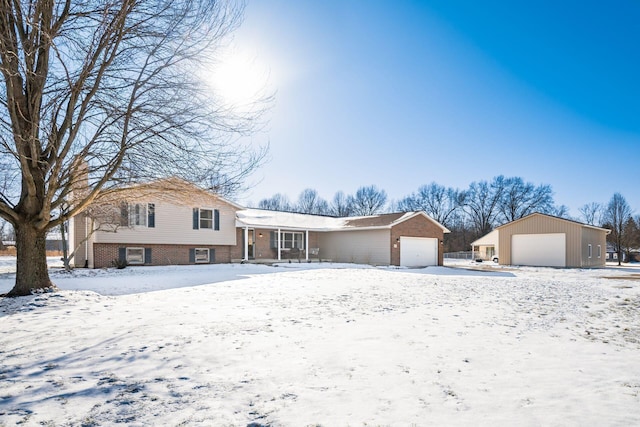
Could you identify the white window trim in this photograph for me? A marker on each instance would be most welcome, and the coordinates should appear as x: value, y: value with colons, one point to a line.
x: 599, y: 251
x: 590, y: 250
x: 202, y: 261
x: 136, y: 262
x: 283, y: 240
x: 213, y: 218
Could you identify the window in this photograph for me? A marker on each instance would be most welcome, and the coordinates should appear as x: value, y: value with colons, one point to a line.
x: 599, y: 251
x: 206, y: 218
x: 135, y: 255
x: 202, y: 255
x: 141, y: 214
x: 590, y: 250
x: 615, y: 255
x: 292, y: 240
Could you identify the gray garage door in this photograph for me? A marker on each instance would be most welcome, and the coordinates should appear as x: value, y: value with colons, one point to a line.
x: 543, y: 250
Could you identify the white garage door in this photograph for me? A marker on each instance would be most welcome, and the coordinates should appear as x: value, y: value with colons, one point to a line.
x: 418, y: 251
x: 543, y: 250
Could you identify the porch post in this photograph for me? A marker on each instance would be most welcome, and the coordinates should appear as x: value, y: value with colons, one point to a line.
x: 473, y: 248
x: 246, y: 243
x: 279, y: 245
x: 306, y: 245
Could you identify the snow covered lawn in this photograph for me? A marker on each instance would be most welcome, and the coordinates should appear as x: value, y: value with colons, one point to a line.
x: 329, y: 346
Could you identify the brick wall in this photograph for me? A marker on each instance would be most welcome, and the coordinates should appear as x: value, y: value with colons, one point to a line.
x: 418, y: 226
x: 106, y: 253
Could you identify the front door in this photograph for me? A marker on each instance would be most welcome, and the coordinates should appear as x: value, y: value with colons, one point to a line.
x: 251, y: 245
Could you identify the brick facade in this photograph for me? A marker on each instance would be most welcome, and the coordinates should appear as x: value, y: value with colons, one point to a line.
x: 418, y: 226
x: 105, y: 254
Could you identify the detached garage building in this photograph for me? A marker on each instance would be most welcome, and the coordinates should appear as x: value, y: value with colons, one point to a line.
x: 549, y: 241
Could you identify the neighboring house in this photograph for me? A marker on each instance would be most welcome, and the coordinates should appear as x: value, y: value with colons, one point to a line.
x: 200, y: 227
x: 549, y: 241
x: 486, y: 247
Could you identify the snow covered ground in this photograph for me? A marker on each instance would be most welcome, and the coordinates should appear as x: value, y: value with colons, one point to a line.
x: 331, y: 345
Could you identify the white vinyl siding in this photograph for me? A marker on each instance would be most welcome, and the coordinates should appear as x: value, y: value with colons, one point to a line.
x: 362, y: 246
x: 174, y: 225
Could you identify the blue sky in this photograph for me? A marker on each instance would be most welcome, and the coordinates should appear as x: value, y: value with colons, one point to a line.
x: 403, y: 93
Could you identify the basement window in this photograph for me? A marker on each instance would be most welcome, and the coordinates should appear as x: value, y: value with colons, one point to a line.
x: 135, y: 256
x: 202, y: 255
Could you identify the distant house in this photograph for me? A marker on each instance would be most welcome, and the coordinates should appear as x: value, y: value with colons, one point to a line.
x: 183, y: 224
x: 486, y: 247
x: 547, y: 241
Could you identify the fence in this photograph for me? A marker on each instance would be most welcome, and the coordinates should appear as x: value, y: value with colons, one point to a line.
x: 459, y: 255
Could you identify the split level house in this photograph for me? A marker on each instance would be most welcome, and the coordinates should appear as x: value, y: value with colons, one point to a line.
x: 544, y: 241
x: 177, y: 223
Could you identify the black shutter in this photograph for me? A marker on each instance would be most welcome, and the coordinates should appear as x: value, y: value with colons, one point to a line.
x: 212, y: 256
x: 216, y: 219
x: 273, y: 240
x: 151, y: 215
x: 196, y: 218
x: 192, y: 255
x: 124, y: 214
x: 122, y: 255
x: 147, y: 255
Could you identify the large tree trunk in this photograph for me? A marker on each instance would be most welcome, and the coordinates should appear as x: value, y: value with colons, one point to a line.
x: 31, y: 265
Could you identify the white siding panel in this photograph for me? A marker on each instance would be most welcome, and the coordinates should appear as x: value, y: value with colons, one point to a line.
x: 545, y: 250
x: 418, y: 251
x: 174, y: 225
x: 363, y: 247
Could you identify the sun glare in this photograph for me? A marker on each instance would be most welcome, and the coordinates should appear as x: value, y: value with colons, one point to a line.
x: 239, y: 79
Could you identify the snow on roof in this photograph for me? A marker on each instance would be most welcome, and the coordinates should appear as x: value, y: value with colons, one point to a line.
x: 289, y: 220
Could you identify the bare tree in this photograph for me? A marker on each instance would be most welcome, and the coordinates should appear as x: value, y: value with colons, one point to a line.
x: 278, y: 202
x: 591, y: 213
x: 520, y: 199
x: 482, y: 203
x: 311, y: 203
x: 615, y: 216
x: 438, y: 202
x: 369, y: 201
x: 341, y: 205
x: 113, y: 87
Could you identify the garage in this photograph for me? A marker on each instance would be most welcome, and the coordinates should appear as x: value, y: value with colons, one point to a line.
x: 539, y: 249
x: 418, y: 251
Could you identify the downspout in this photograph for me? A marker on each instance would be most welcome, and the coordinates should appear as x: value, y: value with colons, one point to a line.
x: 86, y: 242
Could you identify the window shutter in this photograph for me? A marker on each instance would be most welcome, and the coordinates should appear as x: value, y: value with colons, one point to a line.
x: 124, y: 214
x: 122, y: 255
x: 196, y: 219
x: 192, y: 255
x: 212, y: 256
x: 147, y: 255
x: 216, y: 219
x: 151, y: 215
x: 273, y: 240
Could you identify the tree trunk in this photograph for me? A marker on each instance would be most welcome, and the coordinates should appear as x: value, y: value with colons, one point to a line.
x: 31, y: 265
